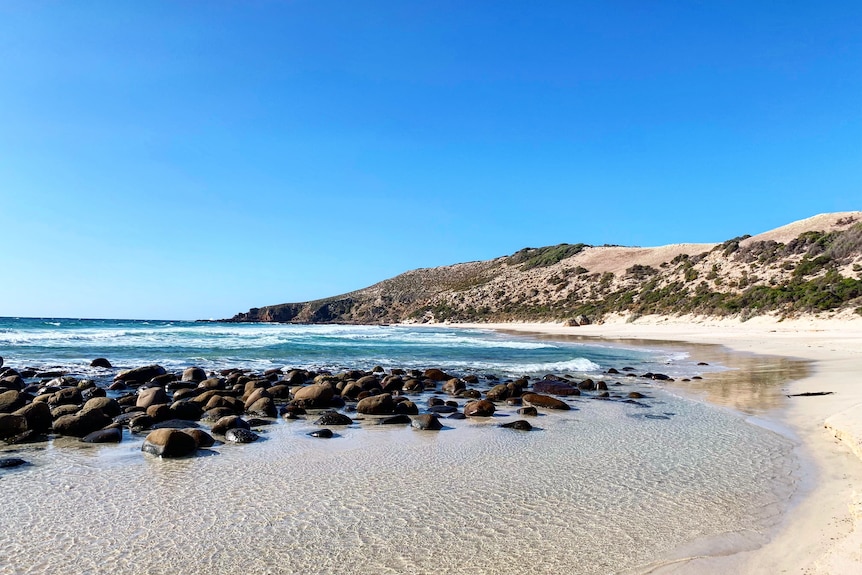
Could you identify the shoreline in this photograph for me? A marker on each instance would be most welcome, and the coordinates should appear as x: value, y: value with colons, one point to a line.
x: 822, y: 530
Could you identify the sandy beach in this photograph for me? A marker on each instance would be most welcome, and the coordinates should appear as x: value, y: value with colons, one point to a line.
x: 822, y: 533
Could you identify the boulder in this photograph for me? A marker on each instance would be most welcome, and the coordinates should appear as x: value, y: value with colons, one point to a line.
x: 255, y: 395
x: 400, y: 419
x: 12, y: 400
x: 195, y: 374
x: 202, y: 438
x: 82, y: 423
x: 313, y: 396
x: 38, y: 416
x: 406, y: 408
x: 108, y: 405
x: 528, y: 411
x: 436, y: 375
x: 140, y: 374
x: 480, y: 408
x: 545, y: 401
x: 9, y: 462
x: 555, y: 387
x: 12, y: 425
x: 223, y: 425
x: 333, y: 418
x: 101, y: 362
x: 107, y: 435
x: 498, y: 393
x: 151, y: 396
x: 426, y: 421
x: 186, y: 410
x: 521, y: 425
x: 322, y: 433
x: 376, y: 405
x: 240, y: 435
x: 12, y: 382
x: 66, y: 396
x: 263, y: 407
x: 169, y: 443
x: 453, y: 386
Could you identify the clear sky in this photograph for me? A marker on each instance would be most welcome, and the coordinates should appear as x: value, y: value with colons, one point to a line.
x: 183, y: 160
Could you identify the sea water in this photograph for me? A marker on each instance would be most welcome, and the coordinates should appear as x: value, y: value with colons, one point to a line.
x: 607, y: 487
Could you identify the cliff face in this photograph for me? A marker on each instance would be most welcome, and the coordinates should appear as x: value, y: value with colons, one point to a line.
x: 810, y: 266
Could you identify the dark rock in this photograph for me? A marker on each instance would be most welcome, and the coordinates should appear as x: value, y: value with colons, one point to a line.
x: 195, y: 374
x: 66, y: 396
x: 333, y: 418
x: 436, y: 375
x: 613, y: 371
x: 240, y: 435
x: 457, y: 415
x: 82, y: 423
x: 292, y: 412
x: 201, y: 437
x: 63, y: 410
x: 223, y: 425
x: 217, y: 414
x: 521, y: 425
x: 406, y: 408
x: 12, y: 400
x: 400, y: 419
x: 151, y: 396
x: 107, y: 435
x: 528, y: 411
x: 480, y: 408
x: 9, y: 462
x: 38, y: 416
x: 173, y: 424
x: 108, y: 405
x: 12, y: 425
x: 382, y: 404
x: 545, y: 401
x: 101, y: 362
x: 314, y: 396
x: 442, y: 409
x: 169, y: 443
x: 587, y: 385
x: 555, y: 387
x: 453, y: 386
x: 186, y: 410
x: 322, y: 433
x: 426, y: 422
x: 263, y: 407
x: 498, y: 393
x: 140, y: 374
x: 636, y: 395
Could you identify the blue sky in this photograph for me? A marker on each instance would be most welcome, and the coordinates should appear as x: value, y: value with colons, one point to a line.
x: 186, y: 160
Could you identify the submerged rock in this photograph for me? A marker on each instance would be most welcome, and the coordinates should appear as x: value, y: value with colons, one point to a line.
x: 240, y: 435
x: 321, y: 433
x: 426, y: 421
x: 521, y: 425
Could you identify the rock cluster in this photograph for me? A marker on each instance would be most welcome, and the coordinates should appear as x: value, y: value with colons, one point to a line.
x: 168, y: 410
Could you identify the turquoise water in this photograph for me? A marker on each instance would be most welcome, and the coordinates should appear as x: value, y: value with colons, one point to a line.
x: 174, y: 344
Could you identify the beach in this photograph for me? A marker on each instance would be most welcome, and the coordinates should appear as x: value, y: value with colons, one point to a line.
x: 822, y: 532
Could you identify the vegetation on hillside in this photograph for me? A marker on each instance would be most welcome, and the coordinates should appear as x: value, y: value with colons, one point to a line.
x: 814, y: 272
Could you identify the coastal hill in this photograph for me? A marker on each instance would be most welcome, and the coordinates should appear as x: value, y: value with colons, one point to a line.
x: 807, y: 267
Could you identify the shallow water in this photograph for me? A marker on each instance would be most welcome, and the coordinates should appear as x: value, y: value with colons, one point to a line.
x: 603, y: 488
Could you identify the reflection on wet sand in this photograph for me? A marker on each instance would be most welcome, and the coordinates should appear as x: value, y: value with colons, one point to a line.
x: 752, y: 384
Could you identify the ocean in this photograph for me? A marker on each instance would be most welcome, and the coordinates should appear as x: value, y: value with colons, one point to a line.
x: 608, y: 487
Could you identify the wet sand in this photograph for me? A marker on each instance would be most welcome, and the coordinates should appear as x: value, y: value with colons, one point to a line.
x: 822, y: 530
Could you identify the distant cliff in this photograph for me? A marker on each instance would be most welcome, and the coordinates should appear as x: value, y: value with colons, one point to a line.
x: 809, y: 266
